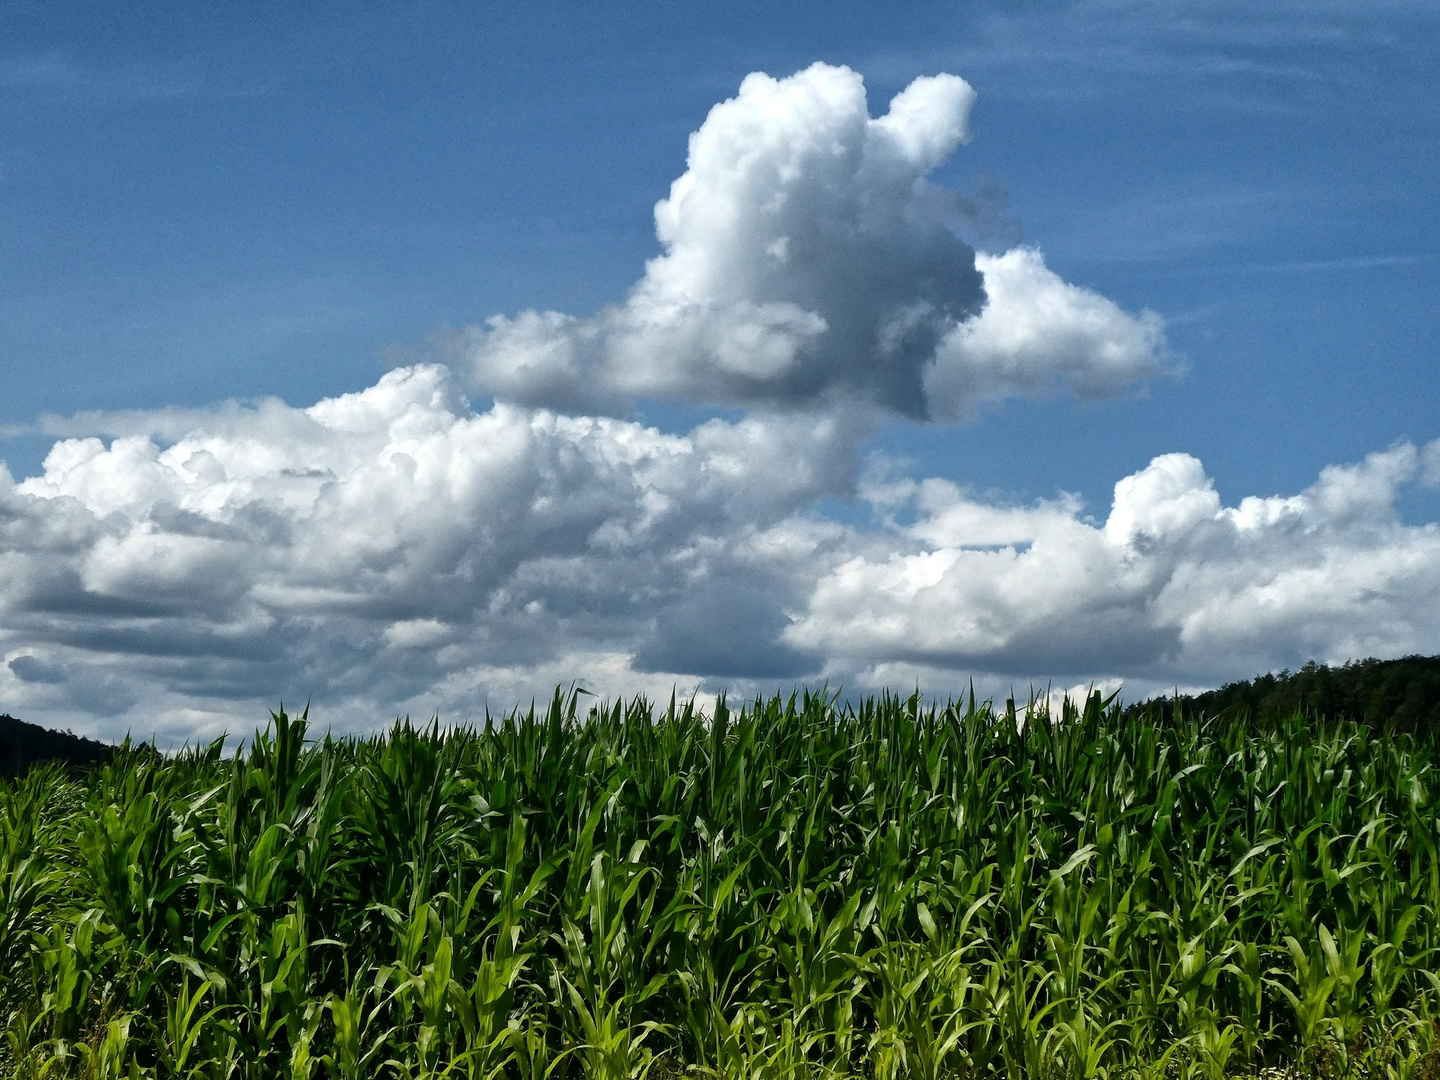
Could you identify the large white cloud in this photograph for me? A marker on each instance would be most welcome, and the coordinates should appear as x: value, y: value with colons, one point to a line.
x: 377, y: 544
x: 1172, y: 587
x: 392, y: 550
x: 807, y: 256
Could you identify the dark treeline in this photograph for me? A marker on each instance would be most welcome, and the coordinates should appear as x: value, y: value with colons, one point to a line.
x: 23, y: 745
x: 1400, y: 695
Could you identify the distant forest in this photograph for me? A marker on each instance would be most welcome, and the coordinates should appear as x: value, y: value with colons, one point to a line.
x: 1399, y: 695
x: 22, y: 745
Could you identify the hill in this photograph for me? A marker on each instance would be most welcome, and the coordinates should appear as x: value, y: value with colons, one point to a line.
x: 23, y: 745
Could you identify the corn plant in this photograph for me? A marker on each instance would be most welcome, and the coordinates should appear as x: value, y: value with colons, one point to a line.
x: 799, y: 887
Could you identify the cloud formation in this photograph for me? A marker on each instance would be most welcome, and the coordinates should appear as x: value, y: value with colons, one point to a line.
x: 393, y: 550
x: 1038, y: 332
x: 397, y: 550
x: 1171, y: 588
x: 808, y: 257
x: 380, y: 542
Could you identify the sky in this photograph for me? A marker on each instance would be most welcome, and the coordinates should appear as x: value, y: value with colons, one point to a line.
x: 414, y: 359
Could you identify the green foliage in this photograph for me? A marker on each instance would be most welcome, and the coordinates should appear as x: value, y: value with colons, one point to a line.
x: 1401, y: 695
x: 796, y: 889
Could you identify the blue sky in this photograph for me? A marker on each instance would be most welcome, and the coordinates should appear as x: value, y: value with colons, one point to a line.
x: 202, y: 206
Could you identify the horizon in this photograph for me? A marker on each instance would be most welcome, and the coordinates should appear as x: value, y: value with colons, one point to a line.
x: 418, y: 362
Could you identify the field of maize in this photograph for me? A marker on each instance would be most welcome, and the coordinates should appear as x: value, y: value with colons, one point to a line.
x: 799, y: 888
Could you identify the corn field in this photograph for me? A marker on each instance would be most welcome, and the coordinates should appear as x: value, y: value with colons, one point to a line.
x: 799, y: 888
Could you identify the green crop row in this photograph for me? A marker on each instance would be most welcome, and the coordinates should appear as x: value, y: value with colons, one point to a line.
x: 796, y: 889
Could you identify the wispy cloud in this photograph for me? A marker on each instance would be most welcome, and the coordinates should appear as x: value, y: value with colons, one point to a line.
x: 66, y: 73
x: 1224, y: 54
x: 76, y: 78
x: 1343, y: 264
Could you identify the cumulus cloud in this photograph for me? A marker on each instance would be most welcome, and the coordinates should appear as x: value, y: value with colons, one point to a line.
x: 807, y: 256
x: 1171, y: 587
x: 395, y: 551
x: 1037, y: 332
x: 383, y: 541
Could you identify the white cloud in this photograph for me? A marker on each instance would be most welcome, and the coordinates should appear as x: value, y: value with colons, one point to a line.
x: 1168, y: 498
x: 807, y: 256
x: 393, y: 551
x: 381, y: 543
x: 1172, y: 587
x: 1038, y: 332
